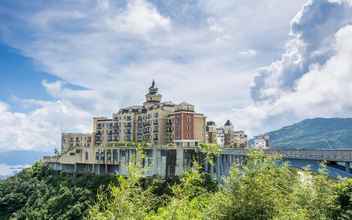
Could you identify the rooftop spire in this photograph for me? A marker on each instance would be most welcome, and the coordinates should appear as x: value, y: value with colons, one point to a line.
x: 153, y: 89
x: 228, y: 123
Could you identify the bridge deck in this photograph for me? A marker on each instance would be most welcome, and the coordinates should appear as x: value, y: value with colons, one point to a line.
x: 338, y: 155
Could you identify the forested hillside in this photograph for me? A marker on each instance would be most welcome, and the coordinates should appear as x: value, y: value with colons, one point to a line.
x: 314, y: 133
x: 38, y: 193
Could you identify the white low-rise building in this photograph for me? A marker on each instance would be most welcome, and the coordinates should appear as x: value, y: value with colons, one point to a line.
x: 262, y: 142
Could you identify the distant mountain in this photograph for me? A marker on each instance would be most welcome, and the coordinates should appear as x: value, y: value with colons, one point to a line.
x: 314, y: 133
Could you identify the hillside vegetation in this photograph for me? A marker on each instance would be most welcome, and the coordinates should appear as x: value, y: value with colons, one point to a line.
x: 39, y: 193
x: 315, y: 133
x: 262, y: 189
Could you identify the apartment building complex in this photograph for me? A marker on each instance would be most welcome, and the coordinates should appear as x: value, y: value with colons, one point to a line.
x: 155, y: 123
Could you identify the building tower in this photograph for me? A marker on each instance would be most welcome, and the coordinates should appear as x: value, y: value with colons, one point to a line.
x: 211, y: 132
x: 152, y: 97
x: 228, y: 133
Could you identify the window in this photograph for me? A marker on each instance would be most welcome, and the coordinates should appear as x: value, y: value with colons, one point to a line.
x: 86, y: 155
x: 108, y: 155
x: 102, y: 155
x: 114, y: 155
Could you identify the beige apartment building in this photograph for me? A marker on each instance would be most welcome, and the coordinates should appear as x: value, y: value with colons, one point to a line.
x: 156, y: 123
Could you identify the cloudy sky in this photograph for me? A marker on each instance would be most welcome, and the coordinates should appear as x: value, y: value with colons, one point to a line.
x: 262, y: 64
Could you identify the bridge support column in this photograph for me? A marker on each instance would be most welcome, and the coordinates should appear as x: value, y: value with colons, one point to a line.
x: 348, y: 167
x: 75, y: 170
x: 179, y: 161
x: 217, y: 169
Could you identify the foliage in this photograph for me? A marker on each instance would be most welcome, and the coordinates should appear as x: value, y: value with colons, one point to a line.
x: 211, y: 151
x: 127, y: 144
x: 39, y: 193
x: 125, y: 200
x: 189, y: 198
x: 344, y: 200
x: 261, y: 189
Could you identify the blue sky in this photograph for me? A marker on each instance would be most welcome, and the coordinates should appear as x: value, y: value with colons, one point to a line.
x: 20, y: 78
x: 262, y: 64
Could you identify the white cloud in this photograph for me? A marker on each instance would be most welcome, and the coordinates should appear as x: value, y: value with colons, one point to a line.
x: 41, y: 127
x: 139, y: 18
x: 313, y: 30
x: 114, y: 50
x: 312, y: 78
x: 248, y: 53
x: 9, y: 170
x: 83, y: 99
x: 5, y: 170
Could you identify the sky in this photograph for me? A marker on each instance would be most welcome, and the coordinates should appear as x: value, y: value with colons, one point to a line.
x: 261, y: 64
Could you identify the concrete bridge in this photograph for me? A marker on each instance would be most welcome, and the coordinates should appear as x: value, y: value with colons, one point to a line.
x: 170, y: 162
x: 338, y: 161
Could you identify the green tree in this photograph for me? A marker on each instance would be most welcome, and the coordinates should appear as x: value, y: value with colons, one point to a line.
x: 189, y: 199
x: 128, y: 200
x: 266, y: 189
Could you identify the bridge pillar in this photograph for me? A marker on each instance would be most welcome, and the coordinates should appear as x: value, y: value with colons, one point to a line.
x: 217, y: 169
x: 179, y: 161
x: 348, y: 167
